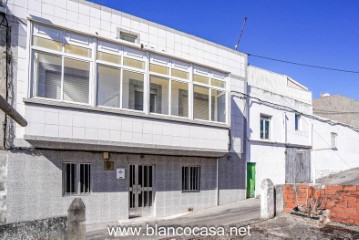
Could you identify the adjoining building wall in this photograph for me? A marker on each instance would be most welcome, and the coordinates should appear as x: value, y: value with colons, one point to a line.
x: 279, y: 99
x: 328, y: 158
x: 35, y: 185
x: 270, y: 163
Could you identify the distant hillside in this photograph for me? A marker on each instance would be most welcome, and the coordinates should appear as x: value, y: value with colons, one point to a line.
x: 338, y: 108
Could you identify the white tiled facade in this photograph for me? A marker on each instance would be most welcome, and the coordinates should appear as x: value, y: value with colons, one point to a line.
x: 164, y: 141
x: 105, y: 22
x: 73, y: 132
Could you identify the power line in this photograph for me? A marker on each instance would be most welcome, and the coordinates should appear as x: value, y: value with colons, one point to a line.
x: 291, y: 108
x: 333, y: 112
x: 302, y: 64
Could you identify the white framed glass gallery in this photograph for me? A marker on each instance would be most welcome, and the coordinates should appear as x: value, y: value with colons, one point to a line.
x: 72, y: 67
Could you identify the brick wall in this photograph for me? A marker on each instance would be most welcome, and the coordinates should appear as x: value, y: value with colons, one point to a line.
x: 342, y: 201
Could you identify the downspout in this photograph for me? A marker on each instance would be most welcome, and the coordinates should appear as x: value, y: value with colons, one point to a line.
x: 5, y: 106
x: 217, y: 183
x: 245, y: 124
x: 285, y: 128
x: 313, y: 153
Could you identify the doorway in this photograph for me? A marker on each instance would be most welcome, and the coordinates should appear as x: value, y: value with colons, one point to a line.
x: 251, y: 179
x: 141, y: 195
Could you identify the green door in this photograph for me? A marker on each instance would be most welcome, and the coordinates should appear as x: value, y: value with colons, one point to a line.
x: 251, y: 179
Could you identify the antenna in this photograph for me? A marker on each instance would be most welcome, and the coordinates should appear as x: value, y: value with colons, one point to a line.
x: 240, y: 36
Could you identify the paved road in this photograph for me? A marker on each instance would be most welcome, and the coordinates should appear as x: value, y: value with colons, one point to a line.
x: 225, y: 215
x: 347, y: 177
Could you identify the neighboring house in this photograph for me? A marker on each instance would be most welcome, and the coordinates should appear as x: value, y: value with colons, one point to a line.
x: 286, y: 142
x: 279, y: 133
x: 337, y: 108
x: 335, y: 147
x: 129, y: 115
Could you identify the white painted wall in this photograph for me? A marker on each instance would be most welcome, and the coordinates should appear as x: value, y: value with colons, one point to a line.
x: 269, y: 155
x: 270, y: 163
x: 325, y: 160
x: 267, y: 87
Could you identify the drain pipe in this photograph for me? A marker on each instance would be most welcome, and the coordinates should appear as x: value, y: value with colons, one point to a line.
x: 217, y: 184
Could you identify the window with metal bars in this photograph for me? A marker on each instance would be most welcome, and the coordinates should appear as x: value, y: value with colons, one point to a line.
x: 76, y: 178
x: 191, y: 179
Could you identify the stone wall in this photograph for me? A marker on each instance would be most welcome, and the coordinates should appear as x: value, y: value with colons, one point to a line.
x: 50, y: 228
x: 342, y: 201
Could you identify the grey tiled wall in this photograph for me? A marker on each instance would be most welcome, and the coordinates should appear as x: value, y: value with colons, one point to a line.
x: 35, y: 185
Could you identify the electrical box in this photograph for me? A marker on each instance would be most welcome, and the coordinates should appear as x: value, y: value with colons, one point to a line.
x: 120, y: 173
x: 108, y: 165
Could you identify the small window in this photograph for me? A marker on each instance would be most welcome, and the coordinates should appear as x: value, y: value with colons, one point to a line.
x: 265, y: 127
x: 334, y: 140
x: 191, y: 179
x: 129, y: 37
x: 76, y: 178
x: 69, y: 177
x: 85, y: 178
x: 297, y: 121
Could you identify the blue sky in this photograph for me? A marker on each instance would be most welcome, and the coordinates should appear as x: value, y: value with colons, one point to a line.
x: 319, y: 32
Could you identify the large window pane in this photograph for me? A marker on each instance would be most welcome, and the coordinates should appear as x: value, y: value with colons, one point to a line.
x: 218, y: 83
x: 47, y: 75
x: 78, y: 50
x: 159, y: 95
x: 200, y: 79
x: 76, y: 81
x: 179, y: 73
x: 179, y: 99
x: 159, y: 69
x: 201, y: 102
x: 47, y: 43
x: 133, y: 63
x: 218, y: 106
x: 132, y: 90
x: 108, y: 86
x: 108, y: 57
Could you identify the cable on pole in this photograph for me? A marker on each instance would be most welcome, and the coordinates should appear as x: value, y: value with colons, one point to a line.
x: 302, y: 64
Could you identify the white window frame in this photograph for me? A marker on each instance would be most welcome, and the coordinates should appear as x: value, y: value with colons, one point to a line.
x: 41, y: 50
x: 106, y: 46
x: 265, y: 118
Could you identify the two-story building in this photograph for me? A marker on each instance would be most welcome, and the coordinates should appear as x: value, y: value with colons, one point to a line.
x: 279, y: 130
x: 139, y: 119
x: 134, y: 117
x: 285, y: 141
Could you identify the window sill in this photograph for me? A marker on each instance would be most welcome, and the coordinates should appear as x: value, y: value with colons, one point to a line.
x: 75, y: 106
x: 76, y: 195
x: 194, y: 191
